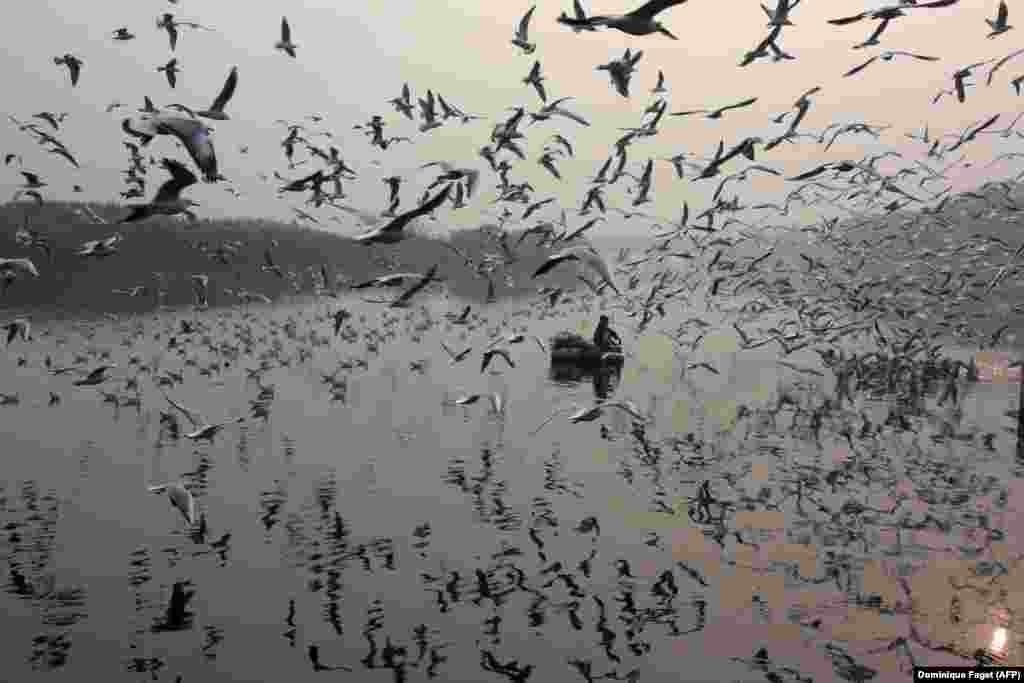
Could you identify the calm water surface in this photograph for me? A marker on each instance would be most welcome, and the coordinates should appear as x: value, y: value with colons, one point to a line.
x: 405, y: 538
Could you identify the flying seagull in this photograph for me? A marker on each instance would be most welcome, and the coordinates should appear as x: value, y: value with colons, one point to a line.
x: 522, y: 37
x: 535, y: 79
x: 180, y: 498
x: 888, y: 56
x: 1000, y: 63
x: 999, y: 25
x: 18, y: 327
x: 584, y: 254
x: 166, y: 22
x: 216, y: 110
x: 579, y: 22
x: 890, y: 12
x: 394, y: 231
x: 170, y: 70
x: 74, y: 65
x: 167, y: 201
x: 621, y: 70
x: 196, y: 139
x: 285, y: 44
x: 593, y: 412
x: 639, y: 22
x: 659, y: 87
x: 403, y: 104
x: 717, y: 113
x: 404, y: 298
x: 780, y: 17
x: 203, y: 429
x: 16, y: 266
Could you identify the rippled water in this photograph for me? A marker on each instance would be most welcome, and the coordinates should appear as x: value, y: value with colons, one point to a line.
x: 368, y: 524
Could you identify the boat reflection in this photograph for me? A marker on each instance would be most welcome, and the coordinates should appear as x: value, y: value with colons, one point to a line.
x: 605, y: 377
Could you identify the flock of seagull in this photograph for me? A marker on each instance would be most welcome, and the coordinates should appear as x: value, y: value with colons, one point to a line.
x: 838, y: 299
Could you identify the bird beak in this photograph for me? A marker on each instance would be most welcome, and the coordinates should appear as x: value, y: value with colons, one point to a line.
x: 662, y: 29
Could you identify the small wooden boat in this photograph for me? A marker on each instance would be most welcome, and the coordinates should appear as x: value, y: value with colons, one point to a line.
x: 567, y: 348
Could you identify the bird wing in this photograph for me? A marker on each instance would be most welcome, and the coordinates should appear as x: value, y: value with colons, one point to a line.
x: 554, y: 261
x: 227, y: 91
x: 807, y: 175
x: 652, y: 8
x: 412, y: 291
x: 549, y: 418
x: 1003, y: 12
x: 570, y: 115
x: 744, y: 103
x: 286, y: 31
x: 181, y: 178
x: 182, y: 499
x: 1000, y: 63
x: 860, y: 67
x: 847, y: 20
x: 524, y: 24
x: 194, y: 418
x: 427, y: 207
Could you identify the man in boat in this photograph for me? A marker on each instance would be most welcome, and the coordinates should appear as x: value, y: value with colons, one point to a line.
x: 605, y: 338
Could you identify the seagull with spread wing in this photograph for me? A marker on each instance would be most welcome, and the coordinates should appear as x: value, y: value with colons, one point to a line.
x: 168, y: 200
x: 888, y: 56
x: 999, y: 25
x: 180, y: 498
x: 717, y: 113
x: 73, y: 64
x: 522, y: 37
x: 639, y: 22
x: 285, y: 44
x: 593, y: 412
x: 203, y: 430
x: 216, y: 110
x: 394, y: 230
x: 584, y: 254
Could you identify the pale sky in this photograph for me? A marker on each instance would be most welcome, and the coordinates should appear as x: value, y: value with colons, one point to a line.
x: 354, y: 56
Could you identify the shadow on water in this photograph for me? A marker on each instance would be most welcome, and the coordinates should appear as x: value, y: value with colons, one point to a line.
x: 604, y: 377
